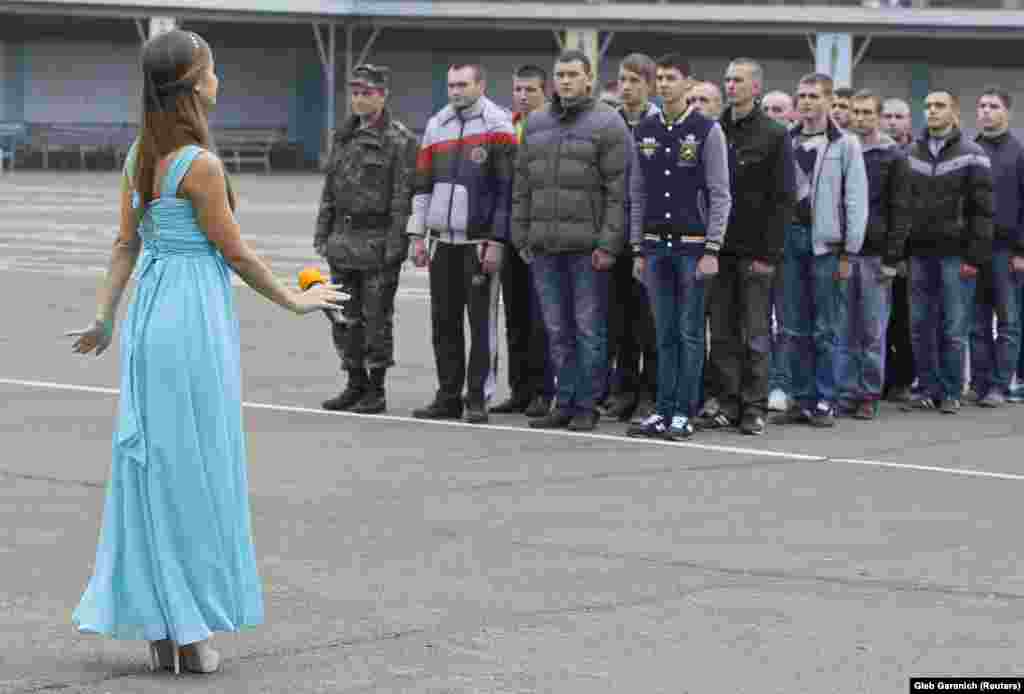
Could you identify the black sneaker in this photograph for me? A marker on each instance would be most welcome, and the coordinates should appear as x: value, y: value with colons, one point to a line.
x: 680, y: 429
x: 539, y: 407
x: 619, y: 406
x: 515, y: 404
x: 845, y: 408
x: 900, y: 394
x: 644, y: 409
x: 718, y: 420
x: 918, y: 403
x: 558, y: 418
x: 440, y: 409
x: 476, y: 412
x: 584, y: 421
x: 752, y: 424
x: 710, y: 409
x: 653, y: 427
x: 950, y: 406
x: 824, y: 415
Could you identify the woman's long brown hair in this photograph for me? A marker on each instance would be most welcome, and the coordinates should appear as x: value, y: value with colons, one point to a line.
x: 173, y: 114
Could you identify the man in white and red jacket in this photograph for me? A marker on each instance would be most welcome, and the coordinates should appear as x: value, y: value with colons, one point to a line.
x: 459, y: 226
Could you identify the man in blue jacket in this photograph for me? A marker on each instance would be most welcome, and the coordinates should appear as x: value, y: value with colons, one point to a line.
x: 831, y: 216
x: 993, y: 360
x: 862, y: 343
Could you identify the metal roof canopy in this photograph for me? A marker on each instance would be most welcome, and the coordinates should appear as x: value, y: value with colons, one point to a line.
x: 656, y: 18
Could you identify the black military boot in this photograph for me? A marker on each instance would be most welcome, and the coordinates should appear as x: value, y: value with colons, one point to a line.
x: 353, y: 393
x: 373, y: 401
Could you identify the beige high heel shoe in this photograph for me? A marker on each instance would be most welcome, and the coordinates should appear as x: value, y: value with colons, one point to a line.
x: 199, y: 657
x: 163, y: 655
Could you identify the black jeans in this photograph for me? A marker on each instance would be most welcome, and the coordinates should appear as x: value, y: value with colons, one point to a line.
x: 899, y: 364
x: 458, y: 286
x: 529, y: 366
x: 740, y: 306
x: 631, y: 333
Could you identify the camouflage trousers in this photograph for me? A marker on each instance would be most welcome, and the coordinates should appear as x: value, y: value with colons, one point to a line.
x: 366, y: 340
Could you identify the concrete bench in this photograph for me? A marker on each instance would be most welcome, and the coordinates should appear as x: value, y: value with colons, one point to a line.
x: 248, y: 145
x: 82, y: 139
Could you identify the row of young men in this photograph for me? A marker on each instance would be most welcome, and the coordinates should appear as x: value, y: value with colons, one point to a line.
x: 704, y: 200
x: 631, y: 93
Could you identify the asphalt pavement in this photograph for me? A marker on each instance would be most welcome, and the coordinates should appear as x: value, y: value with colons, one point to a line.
x: 407, y: 556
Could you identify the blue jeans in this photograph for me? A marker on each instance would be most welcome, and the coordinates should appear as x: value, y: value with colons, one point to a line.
x: 860, y: 357
x: 677, y: 295
x: 574, y: 303
x: 940, y: 306
x: 778, y: 370
x: 993, y: 360
x: 815, y: 307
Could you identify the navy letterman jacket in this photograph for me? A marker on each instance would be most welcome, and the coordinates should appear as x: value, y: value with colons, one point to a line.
x: 680, y: 188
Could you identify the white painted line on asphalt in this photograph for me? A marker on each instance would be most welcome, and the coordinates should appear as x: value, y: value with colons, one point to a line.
x: 295, y: 409
x: 736, y: 450
x: 47, y: 385
x: 760, y: 452
x: 551, y: 432
x: 930, y: 468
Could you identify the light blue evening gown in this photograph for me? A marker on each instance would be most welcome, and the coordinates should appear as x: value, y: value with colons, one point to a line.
x: 175, y: 558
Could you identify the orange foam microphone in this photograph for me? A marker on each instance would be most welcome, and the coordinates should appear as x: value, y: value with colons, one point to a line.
x: 311, y: 276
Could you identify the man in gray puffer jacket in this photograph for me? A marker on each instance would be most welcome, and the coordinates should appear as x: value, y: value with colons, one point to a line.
x: 568, y: 218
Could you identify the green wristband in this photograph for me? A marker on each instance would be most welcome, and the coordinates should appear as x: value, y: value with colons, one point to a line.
x: 108, y: 326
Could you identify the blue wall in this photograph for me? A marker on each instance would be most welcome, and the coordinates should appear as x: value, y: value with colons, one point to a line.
x: 13, y: 77
x: 308, y: 105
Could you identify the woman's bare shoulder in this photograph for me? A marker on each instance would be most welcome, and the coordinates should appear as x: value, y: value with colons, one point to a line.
x: 207, y: 163
x: 206, y: 169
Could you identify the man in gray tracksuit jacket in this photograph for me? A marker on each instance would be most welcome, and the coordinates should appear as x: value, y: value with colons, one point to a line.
x: 831, y: 218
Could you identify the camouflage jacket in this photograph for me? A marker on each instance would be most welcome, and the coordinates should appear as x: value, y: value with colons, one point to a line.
x: 367, y: 195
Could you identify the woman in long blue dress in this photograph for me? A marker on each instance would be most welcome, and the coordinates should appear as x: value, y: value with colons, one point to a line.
x: 175, y: 560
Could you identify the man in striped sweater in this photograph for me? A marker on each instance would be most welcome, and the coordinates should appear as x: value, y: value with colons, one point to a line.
x: 459, y: 226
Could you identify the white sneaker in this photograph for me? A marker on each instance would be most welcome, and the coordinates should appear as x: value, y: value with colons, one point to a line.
x: 777, y: 401
x: 1016, y: 393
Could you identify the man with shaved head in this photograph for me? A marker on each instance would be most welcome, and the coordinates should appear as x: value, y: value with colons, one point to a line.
x: 899, y: 362
x: 779, y: 107
x: 760, y: 168
x: 706, y: 97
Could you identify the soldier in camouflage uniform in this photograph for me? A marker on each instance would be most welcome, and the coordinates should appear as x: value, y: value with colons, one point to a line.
x: 360, y: 231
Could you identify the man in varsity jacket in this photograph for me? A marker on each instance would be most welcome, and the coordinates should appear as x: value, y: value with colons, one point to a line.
x: 679, y: 203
